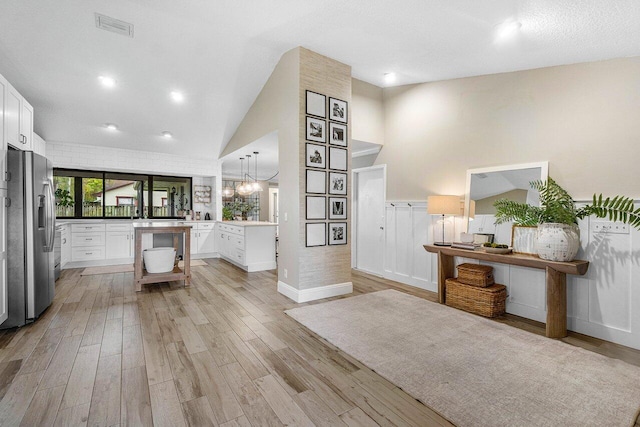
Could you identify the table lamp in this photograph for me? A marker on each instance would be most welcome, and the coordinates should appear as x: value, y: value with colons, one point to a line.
x: 443, y: 205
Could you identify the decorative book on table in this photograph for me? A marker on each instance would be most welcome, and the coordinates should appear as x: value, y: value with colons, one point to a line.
x: 464, y: 245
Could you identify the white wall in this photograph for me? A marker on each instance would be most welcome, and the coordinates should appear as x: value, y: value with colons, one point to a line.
x: 81, y: 156
x: 367, y: 112
x: 582, y: 118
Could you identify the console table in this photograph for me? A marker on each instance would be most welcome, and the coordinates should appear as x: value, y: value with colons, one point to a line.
x: 140, y: 275
x: 556, y: 280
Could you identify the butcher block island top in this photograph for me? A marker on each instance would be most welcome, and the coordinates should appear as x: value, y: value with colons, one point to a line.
x: 140, y: 275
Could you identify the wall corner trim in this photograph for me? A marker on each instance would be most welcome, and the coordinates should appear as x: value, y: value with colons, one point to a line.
x: 313, y: 294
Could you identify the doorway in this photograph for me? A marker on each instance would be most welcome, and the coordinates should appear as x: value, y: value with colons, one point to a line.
x: 369, y: 194
x: 273, y: 205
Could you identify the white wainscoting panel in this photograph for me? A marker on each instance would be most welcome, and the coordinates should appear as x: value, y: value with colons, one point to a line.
x: 406, y: 231
x: 605, y: 303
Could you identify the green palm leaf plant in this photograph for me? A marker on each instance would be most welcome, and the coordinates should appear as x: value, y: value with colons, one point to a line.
x: 557, y: 206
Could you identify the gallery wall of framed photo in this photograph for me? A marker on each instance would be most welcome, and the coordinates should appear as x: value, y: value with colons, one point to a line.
x: 326, y: 163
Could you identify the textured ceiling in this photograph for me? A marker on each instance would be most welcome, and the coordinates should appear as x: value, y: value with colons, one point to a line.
x: 220, y: 53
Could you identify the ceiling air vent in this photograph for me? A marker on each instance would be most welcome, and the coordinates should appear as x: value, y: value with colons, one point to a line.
x: 114, y: 25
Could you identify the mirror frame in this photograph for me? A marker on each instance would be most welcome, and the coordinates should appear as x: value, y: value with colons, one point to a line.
x: 544, y: 174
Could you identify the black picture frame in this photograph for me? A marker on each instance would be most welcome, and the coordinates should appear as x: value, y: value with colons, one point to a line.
x: 315, y: 234
x: 316, y: 104
x: 337, y: 233
x: 337, y: 208
x: 338, y: 134
x: 316, y: 182
x: 316, y: 208
x: 316, y: 156
x: 338, y: 110
x: 338, y: 159
x: 338, y: 183
x: 316, y: 130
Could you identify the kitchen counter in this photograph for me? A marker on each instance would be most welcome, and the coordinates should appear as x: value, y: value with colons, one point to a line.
x: 249, y: 223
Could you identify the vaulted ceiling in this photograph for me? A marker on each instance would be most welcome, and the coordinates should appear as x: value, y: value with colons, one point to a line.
x: 220, y: 53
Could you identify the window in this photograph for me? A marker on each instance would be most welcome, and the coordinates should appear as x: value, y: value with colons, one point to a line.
x: 92, y: 196
x: 119, y: 195
x: 65, y: 196
x: 124, y: 201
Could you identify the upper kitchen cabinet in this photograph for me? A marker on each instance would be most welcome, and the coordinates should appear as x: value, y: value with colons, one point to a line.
x: 18, y: 120
x: 4, y: 89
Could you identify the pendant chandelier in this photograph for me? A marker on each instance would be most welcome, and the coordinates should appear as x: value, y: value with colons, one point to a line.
x: 244, y: 189
x: 256, y: 185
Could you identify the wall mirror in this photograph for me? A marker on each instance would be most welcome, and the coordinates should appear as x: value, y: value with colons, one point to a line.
x: 486, y: 185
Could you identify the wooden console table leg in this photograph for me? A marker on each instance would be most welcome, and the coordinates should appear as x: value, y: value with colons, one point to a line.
x: 445, y: 271
x: 556, y: 303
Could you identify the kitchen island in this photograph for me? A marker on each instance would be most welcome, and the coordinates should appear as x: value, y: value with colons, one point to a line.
x: 140, y: 275
x: 250, y: 245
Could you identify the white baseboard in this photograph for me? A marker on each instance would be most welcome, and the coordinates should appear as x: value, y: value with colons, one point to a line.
x: 413, y: 281
x: 305, y: 295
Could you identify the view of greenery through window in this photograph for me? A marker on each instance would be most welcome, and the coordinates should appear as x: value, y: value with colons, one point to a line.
x: 117, y: 195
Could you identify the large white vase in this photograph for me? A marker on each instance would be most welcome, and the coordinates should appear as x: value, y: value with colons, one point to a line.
x: 558, y: 242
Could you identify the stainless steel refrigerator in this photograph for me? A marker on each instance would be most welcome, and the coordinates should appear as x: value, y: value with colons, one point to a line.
x: 30, y: 237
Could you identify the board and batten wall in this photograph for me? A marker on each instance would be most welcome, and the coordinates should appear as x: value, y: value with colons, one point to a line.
x: 582, y: 118
x: 604, y: 303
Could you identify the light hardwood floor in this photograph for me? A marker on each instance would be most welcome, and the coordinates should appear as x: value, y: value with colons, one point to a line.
x: 220, y: 352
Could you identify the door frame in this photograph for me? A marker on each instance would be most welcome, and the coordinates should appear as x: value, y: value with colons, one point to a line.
x: 355, y: 175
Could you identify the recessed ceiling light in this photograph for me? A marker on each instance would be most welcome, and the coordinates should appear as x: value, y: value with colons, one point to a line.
x: 507, y: 29
x: 111, y: 126
x: 107, y: 81
x: 167, y: 134
x: 389, y: 78
x: 177, y: 96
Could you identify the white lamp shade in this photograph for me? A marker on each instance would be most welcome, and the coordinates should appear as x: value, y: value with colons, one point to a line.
x: 443, y: 205
x: 472, y: 209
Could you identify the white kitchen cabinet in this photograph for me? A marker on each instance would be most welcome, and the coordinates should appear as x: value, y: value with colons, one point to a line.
x: 18, y: 120
x: 206, y: 241
x: 4, y: 91
x: 4, y: 310
x: 39, y: 145
x: 118, y: 243
x: 26, y: 125
x: 249, y: 246
x: 203, y: 233
x: 65, y: 246
x: 87, y: 242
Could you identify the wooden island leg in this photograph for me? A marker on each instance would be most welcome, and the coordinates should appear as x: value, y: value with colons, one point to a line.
x: 445, y: 271
x: 137, y: 260
x: 556, y: 303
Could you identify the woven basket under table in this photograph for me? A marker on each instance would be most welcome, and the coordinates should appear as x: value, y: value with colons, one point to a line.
x: 487, y: 302
x: 475, y: 274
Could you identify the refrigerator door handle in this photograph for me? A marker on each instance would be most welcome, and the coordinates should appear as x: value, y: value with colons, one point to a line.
x: 50, y: 221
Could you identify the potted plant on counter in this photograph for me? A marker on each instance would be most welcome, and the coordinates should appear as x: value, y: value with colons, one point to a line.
x: 558, y: 236
x: 243, y: 208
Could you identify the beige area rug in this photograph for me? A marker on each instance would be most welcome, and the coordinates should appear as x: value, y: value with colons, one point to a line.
x: 127, y: 268
x: 473, y: 371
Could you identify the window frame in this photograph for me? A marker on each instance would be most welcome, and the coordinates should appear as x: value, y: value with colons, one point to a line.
x: 79, y: 174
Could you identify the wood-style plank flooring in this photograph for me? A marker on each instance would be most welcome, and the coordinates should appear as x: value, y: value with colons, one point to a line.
x: 220, y: 353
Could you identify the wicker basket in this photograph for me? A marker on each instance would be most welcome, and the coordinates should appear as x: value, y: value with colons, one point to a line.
x: 475, y: 275
x: 487, y: 302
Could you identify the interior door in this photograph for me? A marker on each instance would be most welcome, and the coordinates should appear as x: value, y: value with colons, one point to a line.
x: 369, y: 195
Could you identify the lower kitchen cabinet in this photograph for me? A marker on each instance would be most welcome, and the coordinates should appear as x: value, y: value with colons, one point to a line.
x: 119, y: 241
x: 250, y: 246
